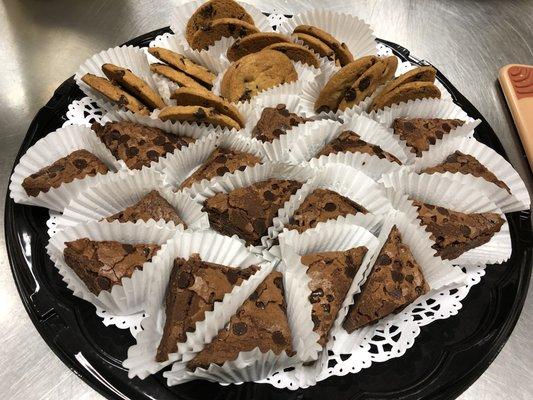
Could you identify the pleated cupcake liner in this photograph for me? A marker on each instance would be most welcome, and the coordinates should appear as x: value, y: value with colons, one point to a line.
x: 51, y: 148
x: 131, y: 57
x: 448, y: 193
x: 359, y: 39
x: 516, y: 201
x: 250, y: 176
x: 130, y: 296
x: 124, y: 190
x: 438, y: 274
x: 180, y: 165
x: 211, y: 247
x: 368, y: 130
x: 333, y: 237
x: 341, y: 179
x: 183, y: 12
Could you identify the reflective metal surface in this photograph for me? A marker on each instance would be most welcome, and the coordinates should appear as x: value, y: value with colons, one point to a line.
x: 44, y: 42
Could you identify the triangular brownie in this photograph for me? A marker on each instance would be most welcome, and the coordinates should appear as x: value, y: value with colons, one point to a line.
x: 459, y: 162
x: 322, y: 205
x: 220, y: 162
x: 331, y: 275
x: 102, y: 264
x: 420, y: 133
x: 455, y: 232
x: 248, y: 212
x: 274, y: 122
x: 395, y: 281
x: 193, y: 288
x: 351, y: 142
x: 153, y: 205
x: 260, y: 322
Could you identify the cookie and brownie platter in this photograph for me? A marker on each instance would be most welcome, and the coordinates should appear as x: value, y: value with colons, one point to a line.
x: 269, y: 199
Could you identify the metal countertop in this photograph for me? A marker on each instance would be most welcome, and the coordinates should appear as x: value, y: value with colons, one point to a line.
x: 43, y: 42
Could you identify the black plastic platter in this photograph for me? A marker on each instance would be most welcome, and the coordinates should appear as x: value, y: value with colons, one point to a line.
x: 447, y: 357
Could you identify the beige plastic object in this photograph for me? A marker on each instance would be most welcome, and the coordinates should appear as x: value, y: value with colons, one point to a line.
x: 517, y: 85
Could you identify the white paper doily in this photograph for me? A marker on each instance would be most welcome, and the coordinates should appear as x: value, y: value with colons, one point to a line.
x: 131, y: 322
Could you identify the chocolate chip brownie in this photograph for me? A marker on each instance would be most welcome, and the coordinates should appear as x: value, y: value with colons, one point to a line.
x: 221, y: 161
x: 274, y: 122
x: 395, y: 281
x: 138, y: 145
x: 260, y: 322
x: 248, y: 212
x: 461, y: 163
x: 419, y: 133
x: 102, y: 265
x: 351, y: 142
x: 151, y: 206
x: 320, y: 206
x: 331, y: 274
x: 193, y: 288
x: 455, y: 232
x: 77, y: 165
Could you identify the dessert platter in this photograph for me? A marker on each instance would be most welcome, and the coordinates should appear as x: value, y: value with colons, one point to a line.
x: 258, y: 205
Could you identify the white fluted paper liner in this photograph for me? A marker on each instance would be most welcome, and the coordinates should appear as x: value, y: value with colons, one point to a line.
x: 495, y: 163
x: 131, y: 57
x: 124, y: 190
x: 211, y: 247
x: 342, y: 179
x: 251, y: 175
x: 438, y: 274
x: 333, y: 237
x: 346, y: 28
x: 444, y: 192
x: 130, y: 296
x: 369, y: 130
x: 180, y: 165
x: 372, y: 166
x: 51, y: 148
x: 183, y: 12
x: 306, y: 75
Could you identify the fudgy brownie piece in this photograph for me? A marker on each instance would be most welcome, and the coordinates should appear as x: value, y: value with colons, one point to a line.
x: 331, y: 275
x: 322, y: 205
x: 152, y: 206
x: 78, y: 164
x: 219, y: 162
x: 274, y: 122
x: 248, y: 212
x: 459, y: 162
x: 351, y: 142
x: 455, y: 232
x: 138, y: 145
x: 260, y: 322
x: 102, y: 265
x: 420, y: 133
x: 194, y: 287
x: 395, y: 281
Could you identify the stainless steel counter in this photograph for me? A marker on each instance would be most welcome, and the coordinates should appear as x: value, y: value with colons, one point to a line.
x: 43, y: 42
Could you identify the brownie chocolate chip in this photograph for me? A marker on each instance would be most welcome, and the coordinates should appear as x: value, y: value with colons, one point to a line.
x: 274, y: 122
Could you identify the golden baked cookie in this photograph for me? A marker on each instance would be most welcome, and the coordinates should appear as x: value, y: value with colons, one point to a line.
x: 253, y: 43
x: 342, y: 53
x: 198, y: 114
x: 115, y: 94
x: 183, y: 64
x: 420, y: 74
x: 175, y: 76
x: 331, y: 95
x: 296, y: 52
x: 367, y: 83
x: 218, y: 29
x: 215, y: 9
x: 317, y: 45
x: 256, y: 72
x: 192, y: 97
x: 404, y: 93
x: 134, y: 85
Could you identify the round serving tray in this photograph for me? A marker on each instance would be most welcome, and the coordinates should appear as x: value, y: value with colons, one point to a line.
x: 447, y: 357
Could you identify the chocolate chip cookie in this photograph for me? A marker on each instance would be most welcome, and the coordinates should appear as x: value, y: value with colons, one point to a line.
x: 340, y: 50
x: 198, y: 114
x: 254, y: 43
x: 296, y: 52
x: 176, y: 76
x: 215, y: 30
